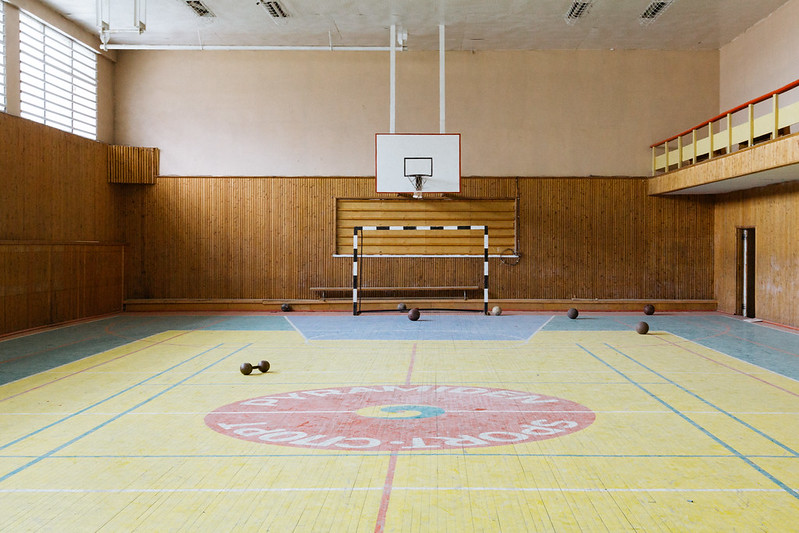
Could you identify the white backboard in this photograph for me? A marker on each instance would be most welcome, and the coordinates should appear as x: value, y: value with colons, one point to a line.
x: 401, y: 157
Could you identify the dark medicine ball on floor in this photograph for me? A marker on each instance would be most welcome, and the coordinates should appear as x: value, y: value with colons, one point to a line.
x: 414, y: 314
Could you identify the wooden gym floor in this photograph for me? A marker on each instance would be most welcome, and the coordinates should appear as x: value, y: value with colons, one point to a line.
x: 457, y: 422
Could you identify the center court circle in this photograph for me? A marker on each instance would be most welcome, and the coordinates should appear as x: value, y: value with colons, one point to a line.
x: 400, y: 418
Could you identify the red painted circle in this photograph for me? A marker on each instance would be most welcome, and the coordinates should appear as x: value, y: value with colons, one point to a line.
x: 400, y: 417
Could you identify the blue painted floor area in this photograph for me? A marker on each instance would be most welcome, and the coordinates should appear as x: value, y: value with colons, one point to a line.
x: 773, y: 349
x: 430, y: 327
x: 37, y: 352
x: 756, y: 343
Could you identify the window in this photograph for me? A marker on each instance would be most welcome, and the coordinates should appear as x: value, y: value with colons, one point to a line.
x: 58, y: 78
x: 2, y: 57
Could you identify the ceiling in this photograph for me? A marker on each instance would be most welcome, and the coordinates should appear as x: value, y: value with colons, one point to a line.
x: 470, y: 24
x: 750, y: 181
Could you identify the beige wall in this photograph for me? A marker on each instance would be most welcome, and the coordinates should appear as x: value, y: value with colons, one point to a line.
x: 542, y: 113
x: 105, y: 99
x: 763, y: 58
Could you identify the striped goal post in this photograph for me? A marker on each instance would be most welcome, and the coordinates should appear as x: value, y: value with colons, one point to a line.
x: 361, y: 229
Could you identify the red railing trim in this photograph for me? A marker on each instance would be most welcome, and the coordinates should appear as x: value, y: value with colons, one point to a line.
x: 733, y: 110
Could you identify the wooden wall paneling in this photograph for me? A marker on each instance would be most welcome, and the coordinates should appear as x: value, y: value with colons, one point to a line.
x: 276, y: 212
x: 272, y: 238
x: 15, y: 307
x: 772, y: 212
x: 101, y: 276
x: 245, y: 219
x: 55, y: 200
x: 785, y: 275
x: 729, y: 216
x: 48, y: 283
x: 55, y: 187
x: 306, y: 200
x: 586, y: 247
x: 37, y: 261
x: 543, y: 261
x: 133, y: 164
x: 499, y: 215
x: 65, y: 283
x: 11, y: 148
x: 220, y: 280
x: 262, y: 241
x: 4, y: 282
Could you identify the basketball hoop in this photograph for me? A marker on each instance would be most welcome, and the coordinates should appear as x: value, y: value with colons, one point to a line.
x: 418, y: 181
x: 418, y: 170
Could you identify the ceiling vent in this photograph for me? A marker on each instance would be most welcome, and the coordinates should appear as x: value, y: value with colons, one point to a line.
x: 654, y: 10
x: 276, y: 10
x: 200, y: 9
x: 576, y: 11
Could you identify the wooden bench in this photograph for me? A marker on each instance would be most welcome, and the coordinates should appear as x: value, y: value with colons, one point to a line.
x: 460, y: 288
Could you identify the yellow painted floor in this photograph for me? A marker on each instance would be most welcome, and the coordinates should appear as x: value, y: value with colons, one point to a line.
x: 564, y: 431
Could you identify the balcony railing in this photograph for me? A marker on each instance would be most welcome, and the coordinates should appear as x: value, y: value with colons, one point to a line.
x: 762, y: 119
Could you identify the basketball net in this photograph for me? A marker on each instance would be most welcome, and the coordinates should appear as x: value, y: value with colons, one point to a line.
x: 418, y: 181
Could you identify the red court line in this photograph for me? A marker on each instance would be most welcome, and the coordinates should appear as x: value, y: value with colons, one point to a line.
x: 113, y: 333
x: 410, y: 367
x: 761, y: 344
x: 381, y: 514
x: 380, y: 524
x: 30, y: 354
x: 92, y: 367
x: 679, y: 345
x: 53, y: 327
x: 114, y: 359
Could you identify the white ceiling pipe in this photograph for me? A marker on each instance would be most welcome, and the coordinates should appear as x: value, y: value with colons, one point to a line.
x: 246, y: 47
x: 442, y: 91
x: 392, y: 94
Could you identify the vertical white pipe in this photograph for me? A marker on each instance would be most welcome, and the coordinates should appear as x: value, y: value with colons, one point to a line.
x: 442, y: 93
x: 392, y: 100
x: 745, y: 268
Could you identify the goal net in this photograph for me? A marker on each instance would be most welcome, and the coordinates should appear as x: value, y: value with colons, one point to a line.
x: 357, y: 259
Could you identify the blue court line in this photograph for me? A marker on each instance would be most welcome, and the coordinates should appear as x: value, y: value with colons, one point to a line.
x: 676, y: 411
x: 38, y: 351
x: 76, y: 413
x: 773, y: 349
x: 116, y: 417
x: 717, y: 408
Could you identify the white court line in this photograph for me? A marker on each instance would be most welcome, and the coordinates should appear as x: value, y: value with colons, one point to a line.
x: 202, y: 413
x: 366, y: 489
x: 537, y: 330
x: 296, y: 329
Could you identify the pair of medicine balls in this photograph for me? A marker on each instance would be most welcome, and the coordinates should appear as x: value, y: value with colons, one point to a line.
x: 414, y: 313
x: 642, y: 328
x: 573, y: 313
